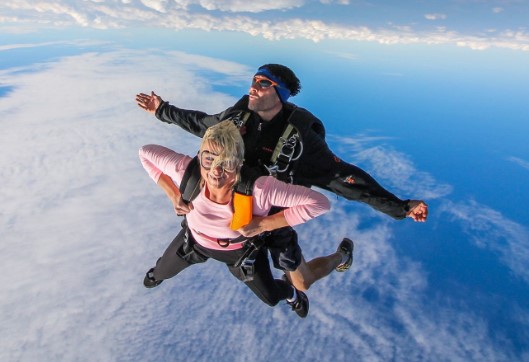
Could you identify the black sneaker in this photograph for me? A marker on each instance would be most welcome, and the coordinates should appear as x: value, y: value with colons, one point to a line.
x: 346, y: 248
x: 301, y: 305
x: 149, y: 281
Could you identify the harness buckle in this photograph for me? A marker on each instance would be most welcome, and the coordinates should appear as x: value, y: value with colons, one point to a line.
x: 224, y: 243
x: 248, y: 267
x: 240, y: 119
x: 272, y: 170
x: 287, y: 151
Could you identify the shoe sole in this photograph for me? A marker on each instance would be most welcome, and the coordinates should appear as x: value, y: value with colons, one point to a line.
x: 150, y: 283
x: 304, y: 313
x: 347, y: 265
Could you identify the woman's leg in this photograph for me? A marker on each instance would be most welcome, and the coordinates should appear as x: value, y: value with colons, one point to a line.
x: 263, y: 284
x: 179, y: 255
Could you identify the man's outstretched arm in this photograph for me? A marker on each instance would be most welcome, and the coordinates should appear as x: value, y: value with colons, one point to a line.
x: 194, y: 122
x: 324, y: 169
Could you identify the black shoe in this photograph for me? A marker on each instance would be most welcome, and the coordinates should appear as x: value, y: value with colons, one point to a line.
x: 346, y: 248
x: 149, y: 281
x: 301, y: 305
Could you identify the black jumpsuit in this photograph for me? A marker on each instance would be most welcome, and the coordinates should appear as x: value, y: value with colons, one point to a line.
x: 317, y: 165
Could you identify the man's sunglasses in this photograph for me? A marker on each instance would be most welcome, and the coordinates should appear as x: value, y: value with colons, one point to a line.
x: 263, y: 82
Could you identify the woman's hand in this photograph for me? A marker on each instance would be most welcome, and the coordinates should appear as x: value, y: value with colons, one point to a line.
x: 180, y: 207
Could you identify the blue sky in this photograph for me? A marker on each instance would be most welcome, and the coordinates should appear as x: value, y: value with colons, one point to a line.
x: 429, y: 97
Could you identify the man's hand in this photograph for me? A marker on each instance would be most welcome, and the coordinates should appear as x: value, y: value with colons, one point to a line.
x: 260, y: 224
x: 150, y: 103
x: 418, y: 210
x: 255, y: 227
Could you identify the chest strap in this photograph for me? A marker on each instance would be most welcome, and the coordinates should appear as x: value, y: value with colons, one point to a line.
x: 288, y: 150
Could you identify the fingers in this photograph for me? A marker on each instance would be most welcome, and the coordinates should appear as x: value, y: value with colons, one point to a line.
x: 180, y: 210
x: 418, y: 210
x: 248, y: 233
x: 142, y: 100
x: 419, y: 218
x: 183, y: 209
x: 142, y: 97
x: 145, y: 102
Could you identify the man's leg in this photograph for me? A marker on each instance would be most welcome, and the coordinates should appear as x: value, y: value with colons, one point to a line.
x: 309, y: 272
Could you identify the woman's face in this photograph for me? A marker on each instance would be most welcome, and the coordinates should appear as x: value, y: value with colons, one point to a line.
x: 217, y: 175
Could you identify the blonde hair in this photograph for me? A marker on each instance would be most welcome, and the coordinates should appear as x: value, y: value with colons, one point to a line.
x: 226, y: 136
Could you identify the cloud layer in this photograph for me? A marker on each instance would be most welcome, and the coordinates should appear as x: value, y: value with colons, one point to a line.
x: 393, y: 167
x: 81, y: 223
x: 275, y: 20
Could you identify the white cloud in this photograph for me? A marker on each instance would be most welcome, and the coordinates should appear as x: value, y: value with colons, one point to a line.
x: 237, y: 6
x: 157, y: 5
x: 80, y: 42
x: 241, y: 16
x: 428, y: 328
x: 26, y: 45
x: 497, y: 10
x: 70, y: 174
x: 520, y: 162
x: 59, y: 9
x: 435, y: 16
x: 81, y: 222
x: 235, y: 71
x: 394, y: 168
x: 344, y: 55
x: 491, y: 230
x: 339, y: 2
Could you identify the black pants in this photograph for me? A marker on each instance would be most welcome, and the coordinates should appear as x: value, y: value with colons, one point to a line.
x: 284, y: 248
x: 184, y: 252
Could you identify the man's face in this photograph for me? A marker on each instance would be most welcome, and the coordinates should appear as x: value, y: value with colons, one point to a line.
x: 263, y: 96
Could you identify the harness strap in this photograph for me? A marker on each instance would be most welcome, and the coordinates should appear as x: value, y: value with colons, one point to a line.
x: 240, y: 119
x: 284, y: 152
x: 252, y: 247
x: 191, y: 176
x: 286, y: 134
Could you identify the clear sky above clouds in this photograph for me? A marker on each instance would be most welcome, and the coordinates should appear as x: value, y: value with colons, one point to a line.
x: 429, y: 96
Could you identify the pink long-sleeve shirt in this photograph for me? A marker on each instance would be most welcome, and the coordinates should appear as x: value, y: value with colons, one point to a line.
x: 209, y: 221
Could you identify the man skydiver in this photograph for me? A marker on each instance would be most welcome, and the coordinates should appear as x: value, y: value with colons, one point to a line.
x: 288, y: 142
